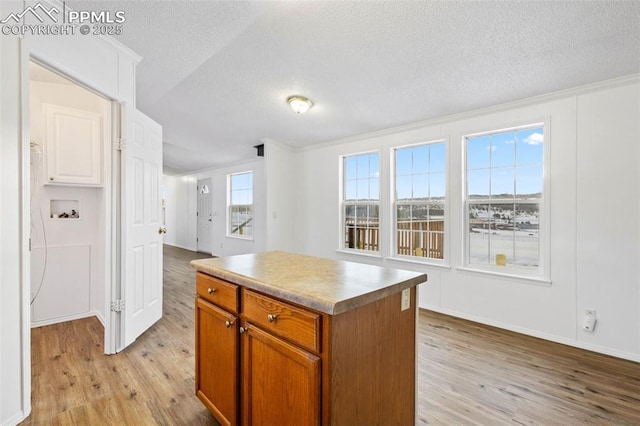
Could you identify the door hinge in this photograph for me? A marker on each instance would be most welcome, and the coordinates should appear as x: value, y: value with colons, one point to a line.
x: 117, y: 305
x: 119, y: 144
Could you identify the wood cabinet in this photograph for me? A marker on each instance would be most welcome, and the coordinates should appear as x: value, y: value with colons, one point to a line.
x: 73, y: 146
x: 217, y: 361
x: 262, y: 360
x: 281, y: 382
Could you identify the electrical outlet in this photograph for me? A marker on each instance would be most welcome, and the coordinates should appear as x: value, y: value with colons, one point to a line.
x: 406, y: 299
x: 589, y: 320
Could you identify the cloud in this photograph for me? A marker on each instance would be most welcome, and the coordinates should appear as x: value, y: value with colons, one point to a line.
x: 534, y: 139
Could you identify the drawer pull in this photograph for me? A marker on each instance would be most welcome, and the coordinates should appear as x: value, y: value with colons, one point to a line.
x: 243, y: 329
x: 228, y: 324
x: 211, y: 290
x: 272, y: 317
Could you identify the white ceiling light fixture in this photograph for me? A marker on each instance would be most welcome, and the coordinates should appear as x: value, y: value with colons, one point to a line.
x: 299, y: 104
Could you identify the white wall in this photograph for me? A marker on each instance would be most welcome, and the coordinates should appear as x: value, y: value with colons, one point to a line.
x: 185, y: 205
x: 97, y: 62
x: 169, y: 190
x: 181, y: 205
x: 67, y: 240
x: 608, y: 220
x: 594, y: 236
x: 279, y: 180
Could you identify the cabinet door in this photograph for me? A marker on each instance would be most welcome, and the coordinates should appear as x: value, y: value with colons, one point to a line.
x: 217, y: 361
x: 281, y: 382
x: 73, y: 146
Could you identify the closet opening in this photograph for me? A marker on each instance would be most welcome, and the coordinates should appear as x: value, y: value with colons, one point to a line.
x: 70, y: 134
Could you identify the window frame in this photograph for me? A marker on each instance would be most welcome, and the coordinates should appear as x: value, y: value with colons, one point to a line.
x: 359, y: 203
x: 542, y: 274
x: 444, y: 261
x: 230, y: 206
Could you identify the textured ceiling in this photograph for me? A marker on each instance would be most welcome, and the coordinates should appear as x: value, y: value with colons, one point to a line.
x: 216, y: 74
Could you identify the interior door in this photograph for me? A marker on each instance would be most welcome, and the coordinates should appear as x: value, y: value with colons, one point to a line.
x: 141, y: 253
x: 204, y: 216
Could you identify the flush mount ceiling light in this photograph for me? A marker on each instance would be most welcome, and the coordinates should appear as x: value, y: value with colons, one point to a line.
x: 299, y: 104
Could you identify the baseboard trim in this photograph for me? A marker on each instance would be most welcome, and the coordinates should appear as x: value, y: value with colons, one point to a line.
x: 51, y: 321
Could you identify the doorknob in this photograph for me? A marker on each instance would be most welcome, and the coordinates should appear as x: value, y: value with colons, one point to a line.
x: 162, y: 230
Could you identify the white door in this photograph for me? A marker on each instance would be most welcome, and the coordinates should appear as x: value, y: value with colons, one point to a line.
x: 204, y: 216
x: 141, y: 267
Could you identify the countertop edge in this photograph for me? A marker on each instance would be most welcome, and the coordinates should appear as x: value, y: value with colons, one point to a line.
x: 324, y: 306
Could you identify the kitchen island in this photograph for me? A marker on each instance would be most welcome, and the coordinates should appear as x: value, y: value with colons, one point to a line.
x: 289, y: 339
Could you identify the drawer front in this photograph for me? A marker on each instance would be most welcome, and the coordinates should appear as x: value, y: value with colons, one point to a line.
x: 218, y: 292
x: 282, y: 319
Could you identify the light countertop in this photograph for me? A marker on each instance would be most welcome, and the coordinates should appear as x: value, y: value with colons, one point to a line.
x: 325, y: 285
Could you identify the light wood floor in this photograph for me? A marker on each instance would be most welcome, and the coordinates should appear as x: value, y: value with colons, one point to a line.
x: 469, y: 374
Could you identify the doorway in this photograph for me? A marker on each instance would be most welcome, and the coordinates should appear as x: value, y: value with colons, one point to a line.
x: 205, y: 217
x: 70, y: 130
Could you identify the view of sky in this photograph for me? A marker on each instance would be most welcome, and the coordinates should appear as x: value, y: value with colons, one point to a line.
x: 503, y: 165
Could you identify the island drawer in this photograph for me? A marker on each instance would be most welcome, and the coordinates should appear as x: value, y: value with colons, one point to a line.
x: 219, y: 292
x: 282, y: 319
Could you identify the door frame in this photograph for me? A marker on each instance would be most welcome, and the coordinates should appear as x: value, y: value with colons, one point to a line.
x: 108, y: 235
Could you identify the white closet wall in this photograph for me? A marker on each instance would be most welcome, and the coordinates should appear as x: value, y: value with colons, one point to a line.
x: 67, y: 279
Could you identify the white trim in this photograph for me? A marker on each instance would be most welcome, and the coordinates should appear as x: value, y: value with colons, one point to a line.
x: 238, y: 237
x: 230, y: 176
x: 342, y: 202
x: 25, y: 254
x: 362, y: 253
x: 65, y: 318
x: 43, y: 60
x: 528, y: 332
x: 16, y: 419
x: 544, y: 227
x: 394, y: 203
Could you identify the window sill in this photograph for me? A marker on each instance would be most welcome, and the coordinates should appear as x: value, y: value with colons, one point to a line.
x: 239, y: 237
x: 417, y: 261
x: 524, y: 279
x: 363, y: 253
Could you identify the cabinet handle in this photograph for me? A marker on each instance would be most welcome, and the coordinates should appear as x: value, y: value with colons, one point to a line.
x: 211, y: 290
x: 228, y: 324
x: 50, y: 178
x: 243, y: 330
x: 272, y: 317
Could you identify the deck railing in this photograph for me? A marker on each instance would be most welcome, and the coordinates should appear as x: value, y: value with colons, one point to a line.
x: 421, y: 238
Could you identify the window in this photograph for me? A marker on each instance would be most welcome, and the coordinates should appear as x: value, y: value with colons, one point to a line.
x: 420, y: 189
x: 241, y: 204
x: 504, y: 192
x: 361, y: 202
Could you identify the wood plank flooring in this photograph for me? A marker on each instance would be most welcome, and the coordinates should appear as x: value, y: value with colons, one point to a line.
x: 472, y: 374
x: 151, y: 382
x: 469, y: 374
